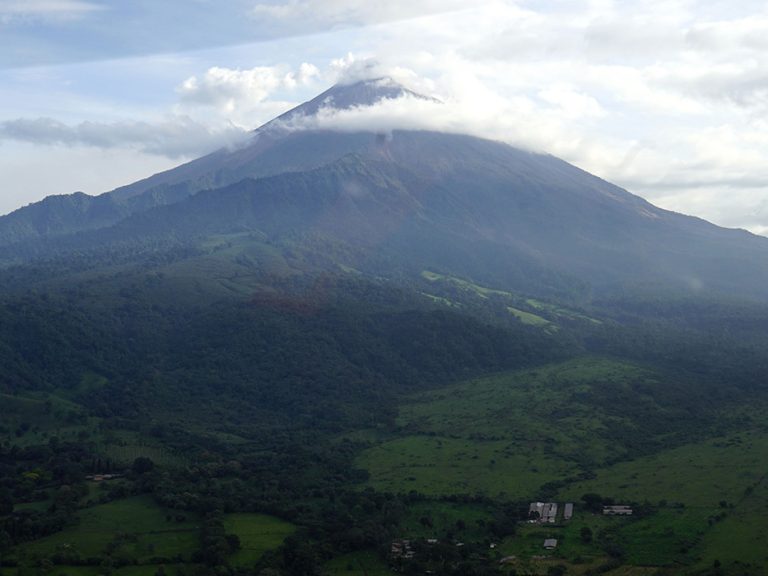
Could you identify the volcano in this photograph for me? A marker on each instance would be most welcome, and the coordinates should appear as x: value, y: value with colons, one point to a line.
x: 395, y: 204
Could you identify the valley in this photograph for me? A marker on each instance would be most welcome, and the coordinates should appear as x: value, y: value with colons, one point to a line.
x: 466, y: 459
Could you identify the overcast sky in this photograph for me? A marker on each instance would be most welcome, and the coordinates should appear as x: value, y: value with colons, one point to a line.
x: 666, y: 98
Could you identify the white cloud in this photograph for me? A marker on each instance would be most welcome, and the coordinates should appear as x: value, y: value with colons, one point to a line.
x: 348, y: 12
x: 15, y: 10
x: 570, y: 102
x: 519, y: 121
x: 353, y: 68
x: 173, y: 138
x: 724, y: 37
x: 742, y: 83
x: 30, y: 176
x: 235, y: 89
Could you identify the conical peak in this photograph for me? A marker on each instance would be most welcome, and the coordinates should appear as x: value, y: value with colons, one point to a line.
x: 344, y: 96
x: 364, y: 93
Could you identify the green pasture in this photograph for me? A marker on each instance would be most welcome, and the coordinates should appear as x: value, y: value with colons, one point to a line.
x: 527, y: 310
x: 132, y: 529
x: 547, y: 409
x: 466, y: 285
x: 538, y: 407
x: 258, y: 533
x: 436, y: 465
x: 559, y: 311
x: 528, y: 317
x: 508, y: 433
x: 698, y: 475
x: 663, y: 538
x: 35, y: 418
x: 739, y: 540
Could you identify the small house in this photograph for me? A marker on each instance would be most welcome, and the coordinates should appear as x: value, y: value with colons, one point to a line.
x: 617, y: 510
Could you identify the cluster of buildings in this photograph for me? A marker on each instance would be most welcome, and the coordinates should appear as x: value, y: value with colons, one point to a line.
x: 546, y: 512
x: 538, y: 513
x: 401, y: 549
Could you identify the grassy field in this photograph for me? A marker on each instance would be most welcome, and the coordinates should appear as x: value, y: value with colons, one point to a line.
x: 508, y: 434
x: 739, y: 540
x: 511, y: 433
x: 559, y: 311
x: 258, y: 533
x: 698, y: 475
x: 529, y: 311
x: 133, y: 529
x: 34, y: 418
x: 664, y: 538
x: 137, y: 530
x: 436, y: 465
x: 466, y: 285
x: 528, y: 317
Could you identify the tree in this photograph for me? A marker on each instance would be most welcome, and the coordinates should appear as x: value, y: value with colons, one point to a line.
x: 233, y: 540
x: 593, y: 502
x: 586, y: 534
x: 6, y: 503
x: 142, y: 465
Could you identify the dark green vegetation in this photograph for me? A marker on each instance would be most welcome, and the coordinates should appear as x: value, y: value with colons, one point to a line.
x: 351, y: 354
x: 308, y: 426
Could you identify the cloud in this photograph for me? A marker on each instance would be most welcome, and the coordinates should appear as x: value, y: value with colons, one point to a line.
x: 25, y: 10
x: 523, y: 122
x: 231, y: 89
x: 743, y: 84
x: 29, y: 176
x: 725, y: 36
x: 299, y: 13
x: 175, y: 137
x: 353, y: 68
